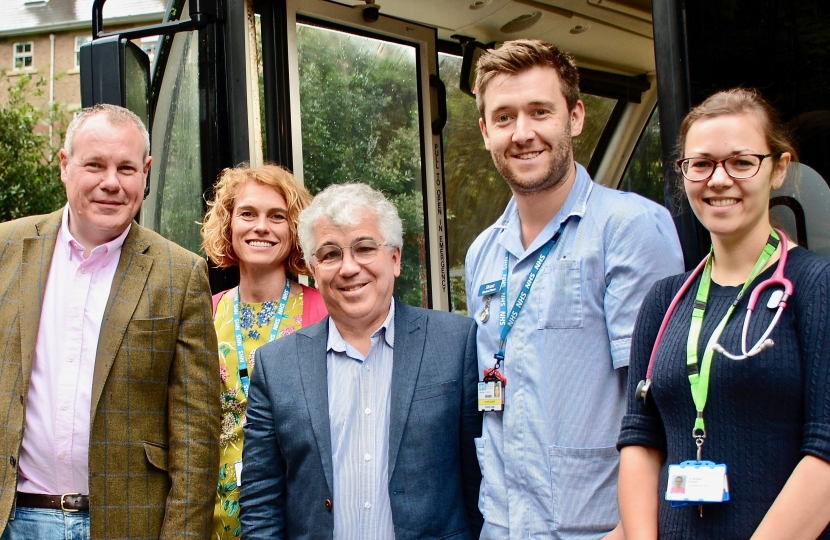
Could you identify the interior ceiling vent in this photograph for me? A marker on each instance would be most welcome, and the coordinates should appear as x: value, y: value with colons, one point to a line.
x: 521, y: 23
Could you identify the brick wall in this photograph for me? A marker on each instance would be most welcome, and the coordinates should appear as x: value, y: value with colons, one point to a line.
x: 67, y: 86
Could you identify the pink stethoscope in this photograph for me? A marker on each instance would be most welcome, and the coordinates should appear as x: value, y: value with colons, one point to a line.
x: 778, y: 298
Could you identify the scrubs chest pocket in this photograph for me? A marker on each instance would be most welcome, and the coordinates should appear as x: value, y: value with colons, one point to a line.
x: 561, y: 301
x: 584, y: 488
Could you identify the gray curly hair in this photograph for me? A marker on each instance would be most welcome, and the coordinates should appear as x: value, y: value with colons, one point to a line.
x: 346, y: 205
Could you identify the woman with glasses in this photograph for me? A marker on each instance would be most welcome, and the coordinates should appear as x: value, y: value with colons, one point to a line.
x: 747, y: 426
x: 252, y: 224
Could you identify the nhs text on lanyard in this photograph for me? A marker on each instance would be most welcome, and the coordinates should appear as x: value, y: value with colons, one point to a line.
x: 491, y: 388
x: 237, y: 329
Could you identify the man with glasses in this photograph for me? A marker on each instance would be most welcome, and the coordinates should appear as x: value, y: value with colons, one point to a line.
x: 555, y: 286
x: 362, y: 426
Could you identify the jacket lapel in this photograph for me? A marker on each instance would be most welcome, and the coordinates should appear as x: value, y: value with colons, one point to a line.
x: 410, y: 332
x: 312, y: 356
x: 36, y: 260
x: 127, y: 285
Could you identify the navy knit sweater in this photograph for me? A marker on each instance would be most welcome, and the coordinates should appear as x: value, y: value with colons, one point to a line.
x: 763, y: 414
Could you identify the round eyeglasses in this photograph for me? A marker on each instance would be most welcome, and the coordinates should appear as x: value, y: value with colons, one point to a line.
x: 739, y: 167
x: 363, y: 252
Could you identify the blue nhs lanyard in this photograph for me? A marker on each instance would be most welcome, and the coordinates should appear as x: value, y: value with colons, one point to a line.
x: 237, y: 329
x: 506, y: 323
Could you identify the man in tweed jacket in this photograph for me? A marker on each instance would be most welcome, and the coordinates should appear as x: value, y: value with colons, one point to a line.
x: 108, y: 375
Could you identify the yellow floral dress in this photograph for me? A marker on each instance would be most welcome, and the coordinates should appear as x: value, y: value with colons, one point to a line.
x: 256, y: 321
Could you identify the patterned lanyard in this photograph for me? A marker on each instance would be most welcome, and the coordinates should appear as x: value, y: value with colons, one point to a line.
x: 506, y: 323
x: 237, y: 329
x: 699, y: 372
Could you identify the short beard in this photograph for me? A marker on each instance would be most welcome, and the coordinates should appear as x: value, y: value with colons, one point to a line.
x: 558, y: 172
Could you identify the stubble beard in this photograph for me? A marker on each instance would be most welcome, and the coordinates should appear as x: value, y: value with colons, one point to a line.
x: 559, y: 168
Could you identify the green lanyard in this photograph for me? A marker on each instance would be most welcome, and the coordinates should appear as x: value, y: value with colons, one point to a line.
x: 699, y: 372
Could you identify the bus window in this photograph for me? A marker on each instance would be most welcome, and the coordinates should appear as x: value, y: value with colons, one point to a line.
x: 174, y: 207
x: 360, y: 122
x: 476, y: 192
x: 597, y: 112
x: 644, y: 173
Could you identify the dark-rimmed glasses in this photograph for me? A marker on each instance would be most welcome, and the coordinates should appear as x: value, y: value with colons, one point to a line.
x: 363, y: 252
x: 739, y: 167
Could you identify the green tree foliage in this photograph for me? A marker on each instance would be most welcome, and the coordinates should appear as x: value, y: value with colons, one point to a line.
x: 29, y: 163
x: 359, y: 110
x: 476, y: 192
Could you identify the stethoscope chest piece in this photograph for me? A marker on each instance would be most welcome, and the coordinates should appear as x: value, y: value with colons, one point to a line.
x: 642, y: 390
x: 775, y: 299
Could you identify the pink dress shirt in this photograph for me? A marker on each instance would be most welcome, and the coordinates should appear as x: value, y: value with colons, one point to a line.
x: 55, y: 450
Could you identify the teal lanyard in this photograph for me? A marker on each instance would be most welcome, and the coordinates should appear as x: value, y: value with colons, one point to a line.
x: 699, y: 372
x: 506, y: 323
x: 237, y: 329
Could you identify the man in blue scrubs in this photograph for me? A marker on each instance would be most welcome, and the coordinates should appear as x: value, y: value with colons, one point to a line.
x: 579, y: 257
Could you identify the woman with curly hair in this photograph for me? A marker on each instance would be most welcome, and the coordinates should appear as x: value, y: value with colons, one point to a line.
x: 252, y: 223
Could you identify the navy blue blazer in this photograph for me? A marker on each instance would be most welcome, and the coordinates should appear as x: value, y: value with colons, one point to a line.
x: 434, y: 477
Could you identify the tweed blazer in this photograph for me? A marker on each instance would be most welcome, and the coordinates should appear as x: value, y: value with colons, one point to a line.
x: 434, y: 476
x: 155, y: 416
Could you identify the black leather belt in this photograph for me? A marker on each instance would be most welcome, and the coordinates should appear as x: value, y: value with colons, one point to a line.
x: 68, y: 502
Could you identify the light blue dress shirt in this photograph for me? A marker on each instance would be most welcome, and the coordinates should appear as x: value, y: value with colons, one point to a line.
x: 549, y: 459
x: 359, y: 390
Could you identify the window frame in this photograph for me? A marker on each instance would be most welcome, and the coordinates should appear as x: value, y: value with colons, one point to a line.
x: 23, y: 55
x: 344, y: 18
x: 150, y: 46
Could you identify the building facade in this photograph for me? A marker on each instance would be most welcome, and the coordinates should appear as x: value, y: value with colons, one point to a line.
x: 43, y: 38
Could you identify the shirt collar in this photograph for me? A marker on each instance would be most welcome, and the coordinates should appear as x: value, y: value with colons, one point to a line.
x: 510, y: 235
x: 336, y: 343
x: 109, y: 249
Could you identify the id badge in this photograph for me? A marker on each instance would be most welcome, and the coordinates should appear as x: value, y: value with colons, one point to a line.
x: 487, y: 291
x: 238, y: 467
x: 490, y: 396
x: 692, y: 483
x: 490, y: 288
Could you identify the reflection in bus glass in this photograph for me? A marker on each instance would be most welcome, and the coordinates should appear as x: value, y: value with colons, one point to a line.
x: 174, y: 207
x: 360, y: 122
x: 644, y: 173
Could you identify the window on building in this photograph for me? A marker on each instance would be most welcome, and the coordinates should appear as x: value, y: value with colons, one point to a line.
x: 24, y: 55
x: 148, y: 45
x: 79, y: 41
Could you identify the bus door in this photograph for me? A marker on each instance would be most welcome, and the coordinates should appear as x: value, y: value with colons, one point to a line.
x: 341, y: 92
x: 351, y: 95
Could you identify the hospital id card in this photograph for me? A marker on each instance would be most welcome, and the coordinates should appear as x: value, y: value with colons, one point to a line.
x: 697, y: 482
x: 490, y: 396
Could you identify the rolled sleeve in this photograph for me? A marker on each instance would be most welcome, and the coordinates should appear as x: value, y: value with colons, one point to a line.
x: 642, y: 249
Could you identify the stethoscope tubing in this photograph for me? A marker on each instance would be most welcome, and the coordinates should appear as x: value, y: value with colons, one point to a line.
x: 777, y: 279
x: 672, y: 307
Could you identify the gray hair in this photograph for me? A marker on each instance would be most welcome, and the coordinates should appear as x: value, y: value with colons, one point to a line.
x: 115, y: 115
x: 346, y: 205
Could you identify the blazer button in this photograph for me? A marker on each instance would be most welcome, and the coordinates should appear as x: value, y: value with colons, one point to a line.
x: 328, y: 502
x: 12, y: 460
